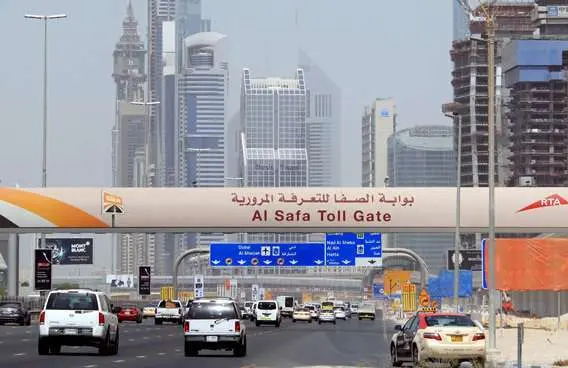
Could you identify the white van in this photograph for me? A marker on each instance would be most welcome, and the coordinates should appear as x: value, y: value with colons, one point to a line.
x: 268, y: 312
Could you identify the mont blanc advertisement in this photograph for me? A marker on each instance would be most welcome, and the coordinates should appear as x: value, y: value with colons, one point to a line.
x: 42, y: 269
x: 70, y: 251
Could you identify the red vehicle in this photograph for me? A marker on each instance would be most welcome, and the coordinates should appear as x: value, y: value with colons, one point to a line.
x: 129, y: 312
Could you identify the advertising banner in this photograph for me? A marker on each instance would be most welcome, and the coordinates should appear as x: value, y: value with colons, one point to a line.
x: 198, y: 286
x: 42, y: 269
x: 70, y: 251
x: 468, y: 259
x: 144, y: 280
x: 120, y: 281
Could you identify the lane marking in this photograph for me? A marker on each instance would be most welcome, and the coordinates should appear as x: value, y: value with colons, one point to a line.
x: 130, y: 339
x: 90, y: 366
x: 25, y: 340
x: 161, y: 354
x: 178, y: 350
x: 140, y: 356
x: 19, y: 354
x: 170, y: 335
x: 119, y: 361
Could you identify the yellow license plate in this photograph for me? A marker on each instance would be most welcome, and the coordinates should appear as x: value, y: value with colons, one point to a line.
x: 457, y: 338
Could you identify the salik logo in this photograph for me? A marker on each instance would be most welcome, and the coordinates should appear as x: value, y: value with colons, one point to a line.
x: 553, y: 200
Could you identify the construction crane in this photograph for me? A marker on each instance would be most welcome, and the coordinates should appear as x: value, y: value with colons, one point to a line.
x: 484, y: 13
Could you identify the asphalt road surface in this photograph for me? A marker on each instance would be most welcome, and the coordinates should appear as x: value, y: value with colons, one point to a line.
x: 348, y: 343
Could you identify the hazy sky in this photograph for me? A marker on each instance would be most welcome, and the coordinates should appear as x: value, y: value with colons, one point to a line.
x: 371, y: 48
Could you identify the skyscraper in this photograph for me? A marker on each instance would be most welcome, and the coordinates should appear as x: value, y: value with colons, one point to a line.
x: 377, y: 124
x: 129, y: 135
x: 171, y: 21
x: 274, y: 141
x: 323, y: 121
x: 423, y: 157
x: 203, y: 91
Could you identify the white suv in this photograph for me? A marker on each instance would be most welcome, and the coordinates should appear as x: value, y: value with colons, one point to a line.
x: 214, y: 324
x: 77, y: 318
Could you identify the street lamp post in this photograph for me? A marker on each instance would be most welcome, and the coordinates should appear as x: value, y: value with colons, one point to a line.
x: 45, y: 19
x: 491, y: 243
x: 452, y: 110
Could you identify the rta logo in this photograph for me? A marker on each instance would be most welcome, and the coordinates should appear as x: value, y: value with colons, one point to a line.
x: 553, y: 200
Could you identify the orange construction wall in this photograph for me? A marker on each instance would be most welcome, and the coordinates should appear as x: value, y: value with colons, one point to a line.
x: 530, y: 264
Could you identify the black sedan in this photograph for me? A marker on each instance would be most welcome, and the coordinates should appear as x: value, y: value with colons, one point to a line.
x: 14, y: 312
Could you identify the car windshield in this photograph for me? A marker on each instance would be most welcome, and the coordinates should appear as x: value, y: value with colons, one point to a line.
x: 128, y: 306
x: 338, y: 309
x: 213, y: 311
x: 449, y: 321
x: 354, y: 305
x: 10, y: 305
x: 72, y: 301
x: 267, y: 306
x: 310, y: 307
x: 248, y: 304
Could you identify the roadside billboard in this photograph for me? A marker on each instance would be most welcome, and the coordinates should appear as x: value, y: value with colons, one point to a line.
x: 70, y: 251
x: 533, y: 264
x: 120, y: 281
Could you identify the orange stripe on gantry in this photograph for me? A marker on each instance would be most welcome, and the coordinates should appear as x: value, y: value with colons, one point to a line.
x: 59, y: 213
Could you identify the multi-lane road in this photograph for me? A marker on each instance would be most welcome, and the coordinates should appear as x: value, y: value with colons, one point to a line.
x: 351, y: 343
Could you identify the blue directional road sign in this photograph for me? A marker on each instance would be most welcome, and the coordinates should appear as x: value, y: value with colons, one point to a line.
x: 354, y: 249
x: 379, y: 292
x: 266, y: 255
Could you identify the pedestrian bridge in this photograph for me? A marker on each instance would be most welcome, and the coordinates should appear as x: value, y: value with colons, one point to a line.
x: 297, y: 210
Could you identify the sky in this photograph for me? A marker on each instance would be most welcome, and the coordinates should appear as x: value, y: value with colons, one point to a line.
x: 370, y: 48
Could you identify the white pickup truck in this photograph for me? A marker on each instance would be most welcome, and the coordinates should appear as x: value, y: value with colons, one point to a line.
x: 214, y: 324
x: 169, y: 311
x: 79, y: 317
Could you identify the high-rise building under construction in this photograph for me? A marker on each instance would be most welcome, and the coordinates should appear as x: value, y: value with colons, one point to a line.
x: 469, y: 81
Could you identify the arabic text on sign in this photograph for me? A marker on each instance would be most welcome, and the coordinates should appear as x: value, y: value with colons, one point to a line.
x: 320, y: 198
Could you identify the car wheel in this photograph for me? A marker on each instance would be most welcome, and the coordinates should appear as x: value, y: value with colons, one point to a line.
x: 394, y: 357
x: 257, y: 324
x: 42, y: 347
x: 334, y: 322
x: 294, y: 321
x: 105, y: 345
x: 241, y: 349
x: 116, y: 343
x: 415, y: 357
x: 139, y: 320
x: 277, y: 324
x: 309, y: 321
x: 157, y: 321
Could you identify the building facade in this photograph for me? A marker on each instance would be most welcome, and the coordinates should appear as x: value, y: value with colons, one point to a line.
x: 203, y: 92
x: 129, y: 138
x: 274, y: 144
x: 423, y: 156
x: 323, y: 120
x: 537, y: 111
x: 377, y: 125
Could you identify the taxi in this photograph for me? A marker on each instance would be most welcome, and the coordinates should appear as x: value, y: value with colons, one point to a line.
x: 302, y: 314
x: 149, y: 311
x: 451, y: 337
